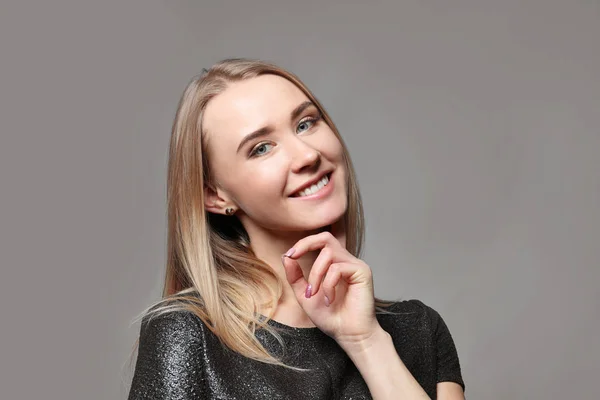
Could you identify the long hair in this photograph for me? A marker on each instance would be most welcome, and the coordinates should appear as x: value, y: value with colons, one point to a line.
x: 211, y: 269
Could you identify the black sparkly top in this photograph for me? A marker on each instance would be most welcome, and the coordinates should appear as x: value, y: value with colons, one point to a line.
x: 180, y: 358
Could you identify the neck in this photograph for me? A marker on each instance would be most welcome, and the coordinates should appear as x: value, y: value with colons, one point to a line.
x: 269, y: 246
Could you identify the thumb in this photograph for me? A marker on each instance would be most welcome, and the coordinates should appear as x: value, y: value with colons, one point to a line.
x: 294, y: 276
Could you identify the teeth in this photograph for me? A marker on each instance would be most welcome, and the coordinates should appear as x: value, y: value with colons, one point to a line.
x: 314, y: 188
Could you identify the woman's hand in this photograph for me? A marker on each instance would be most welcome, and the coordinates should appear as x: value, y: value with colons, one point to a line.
x: 339, y: 295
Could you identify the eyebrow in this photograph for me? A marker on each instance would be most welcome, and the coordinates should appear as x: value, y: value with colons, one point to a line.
x: 265, y: 130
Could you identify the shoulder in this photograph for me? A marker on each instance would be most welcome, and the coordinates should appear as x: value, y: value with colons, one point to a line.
x: 420, y: 331
x: 411, y: 310
x: 170, y: 324
x: 425, y: 310
x: 169, y: 361
x: 414, y: 314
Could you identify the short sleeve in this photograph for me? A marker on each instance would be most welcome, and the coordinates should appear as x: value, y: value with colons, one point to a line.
x: 169, y: 358
x: 448, y: 364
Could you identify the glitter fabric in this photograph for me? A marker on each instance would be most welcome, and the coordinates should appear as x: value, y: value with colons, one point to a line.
x: 180, y: 358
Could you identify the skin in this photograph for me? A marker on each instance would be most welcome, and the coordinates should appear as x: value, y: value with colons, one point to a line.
x: 328, y: 287
x: 259, y: 187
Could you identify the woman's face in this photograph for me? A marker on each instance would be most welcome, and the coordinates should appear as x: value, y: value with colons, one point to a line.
x: 266, y: 140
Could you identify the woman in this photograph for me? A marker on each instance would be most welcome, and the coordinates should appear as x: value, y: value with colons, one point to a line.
x: 265, y: 296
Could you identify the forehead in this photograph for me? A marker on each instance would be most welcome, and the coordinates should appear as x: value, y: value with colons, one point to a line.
x: 251, y: 104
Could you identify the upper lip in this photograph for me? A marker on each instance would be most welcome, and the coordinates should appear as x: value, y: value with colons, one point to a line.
x: 310, y: 182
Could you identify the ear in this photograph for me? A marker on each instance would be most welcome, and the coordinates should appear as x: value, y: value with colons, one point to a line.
x: 214, y: 200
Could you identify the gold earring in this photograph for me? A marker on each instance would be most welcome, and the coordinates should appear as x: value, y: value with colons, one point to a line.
x: 229, y: 211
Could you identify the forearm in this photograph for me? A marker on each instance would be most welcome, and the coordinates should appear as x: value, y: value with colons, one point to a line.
x: 382, y: 369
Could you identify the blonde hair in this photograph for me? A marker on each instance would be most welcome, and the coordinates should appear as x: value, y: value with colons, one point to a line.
x: 211, y: 269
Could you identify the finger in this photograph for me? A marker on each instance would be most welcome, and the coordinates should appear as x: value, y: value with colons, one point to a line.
x: 318, y: 241
x: 294, y: 276
x: 319, y: 269
x: 350, y: 272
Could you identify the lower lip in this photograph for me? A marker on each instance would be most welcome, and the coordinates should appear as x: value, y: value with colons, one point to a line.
x: 325, y: 191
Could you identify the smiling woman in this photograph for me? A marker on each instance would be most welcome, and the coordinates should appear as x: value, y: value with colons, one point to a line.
x: 265, y: 294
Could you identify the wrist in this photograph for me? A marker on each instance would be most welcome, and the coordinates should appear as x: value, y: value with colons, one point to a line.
x: 357, y: 347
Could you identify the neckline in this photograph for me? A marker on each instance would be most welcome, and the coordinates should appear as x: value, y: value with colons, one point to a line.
x: 297, y: 331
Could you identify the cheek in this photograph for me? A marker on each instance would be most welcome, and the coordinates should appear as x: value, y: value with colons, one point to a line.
x: 332, y: 147
x: 260, y: 184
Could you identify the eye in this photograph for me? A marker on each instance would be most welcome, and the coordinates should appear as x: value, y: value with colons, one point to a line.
x: 309, y: 122
x: 257, y: 150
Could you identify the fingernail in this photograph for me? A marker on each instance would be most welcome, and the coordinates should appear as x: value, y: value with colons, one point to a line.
x: 327, y: 301
x: 290, y: 252
x: 308, y: 291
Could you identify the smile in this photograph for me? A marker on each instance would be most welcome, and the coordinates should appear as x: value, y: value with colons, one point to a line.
x: 320, y: 188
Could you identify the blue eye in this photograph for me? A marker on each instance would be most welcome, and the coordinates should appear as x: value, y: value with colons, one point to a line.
x: 256, y: 152
x: 309, y: 121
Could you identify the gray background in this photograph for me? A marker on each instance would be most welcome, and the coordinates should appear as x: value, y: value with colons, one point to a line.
x: 473, y: 126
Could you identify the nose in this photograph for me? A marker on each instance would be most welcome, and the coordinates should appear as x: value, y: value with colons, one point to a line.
x: 305, y: 157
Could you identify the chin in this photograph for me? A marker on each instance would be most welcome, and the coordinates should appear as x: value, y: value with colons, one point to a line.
x: 319, y: 220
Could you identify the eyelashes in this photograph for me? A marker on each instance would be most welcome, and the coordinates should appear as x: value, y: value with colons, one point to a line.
x: 310, y: 120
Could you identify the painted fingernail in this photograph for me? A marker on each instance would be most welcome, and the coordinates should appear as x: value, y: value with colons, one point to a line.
x: 327, y: 303
x: 308, y: 291
x: 290, y: 252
